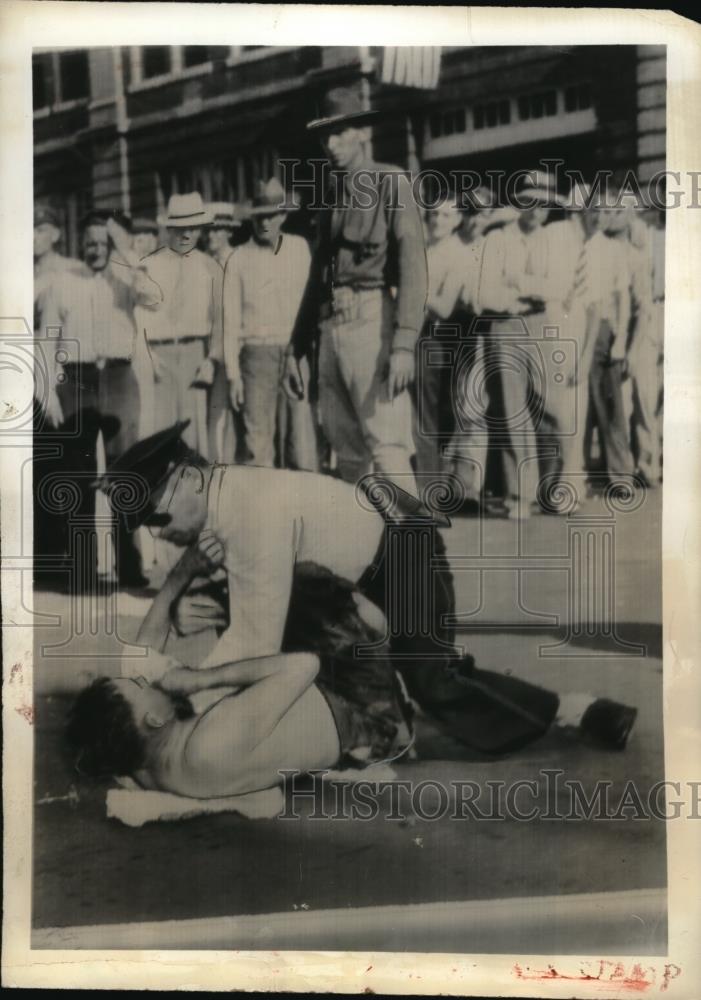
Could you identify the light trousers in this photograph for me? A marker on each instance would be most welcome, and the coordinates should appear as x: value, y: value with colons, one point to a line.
x: 368, y: 431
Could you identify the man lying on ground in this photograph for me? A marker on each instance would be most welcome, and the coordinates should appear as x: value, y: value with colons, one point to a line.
x: 298, y: 710
x: 271, y: 520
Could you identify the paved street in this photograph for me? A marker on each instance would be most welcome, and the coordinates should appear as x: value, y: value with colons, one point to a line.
x: 525, y: 605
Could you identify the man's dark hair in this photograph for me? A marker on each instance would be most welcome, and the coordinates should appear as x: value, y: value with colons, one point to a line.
x: 100, y: 217
x: 102, y: 733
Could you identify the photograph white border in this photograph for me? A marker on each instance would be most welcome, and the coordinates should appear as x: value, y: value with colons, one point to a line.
x: 28, y: 25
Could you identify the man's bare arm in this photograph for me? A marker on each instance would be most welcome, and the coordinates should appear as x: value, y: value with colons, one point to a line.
x: 242, y: 721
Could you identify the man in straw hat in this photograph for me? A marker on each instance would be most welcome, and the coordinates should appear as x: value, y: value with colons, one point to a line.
x: 184, y: 335
x: 264, y: 283
x: 366, y: 295
x: 269, y: 522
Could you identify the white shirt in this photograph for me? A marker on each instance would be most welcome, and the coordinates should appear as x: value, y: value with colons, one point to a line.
x: 190, y: 286
x: 96, y: 309
x: 267, y: 520
x: 453, y: 262
x: 263, y: 291
x: 540, y: 263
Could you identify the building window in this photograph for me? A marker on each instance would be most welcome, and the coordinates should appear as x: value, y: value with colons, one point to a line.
x: 73, y: 76
x: 197, y: 55
x: 448, y: 122
x: 540, y: 105
x: 577, y: 97
x: 492, y: 114
x: 40, y: 87
x: 155, y: 61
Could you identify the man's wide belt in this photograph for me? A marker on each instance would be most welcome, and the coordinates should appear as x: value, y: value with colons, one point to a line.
x: 177, y: 340
x: 99, y: 363
x: 345, y: 303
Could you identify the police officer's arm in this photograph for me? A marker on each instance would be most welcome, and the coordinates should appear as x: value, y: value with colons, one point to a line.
x: 259, y: 561
x: 412, y: 286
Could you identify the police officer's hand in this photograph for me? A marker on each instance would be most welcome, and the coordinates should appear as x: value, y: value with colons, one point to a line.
x: 400, y: 372
x: 292, y: 378
x: 236, y: 391
x: 202, y: 558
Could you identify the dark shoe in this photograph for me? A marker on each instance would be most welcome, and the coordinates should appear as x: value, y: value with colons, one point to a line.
x: 643, y: 480
x: 471, y: 507
x: 608, y: 723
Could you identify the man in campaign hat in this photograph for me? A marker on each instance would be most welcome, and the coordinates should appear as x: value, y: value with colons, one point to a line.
x: 269, y: 521
x: 264, y: 283
x: 184, y: 335
x: 366, y: 296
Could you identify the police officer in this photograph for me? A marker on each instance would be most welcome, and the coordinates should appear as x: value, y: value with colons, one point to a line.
x: 366, y: 294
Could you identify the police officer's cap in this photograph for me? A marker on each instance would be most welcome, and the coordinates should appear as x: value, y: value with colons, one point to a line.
x: 133, y: 479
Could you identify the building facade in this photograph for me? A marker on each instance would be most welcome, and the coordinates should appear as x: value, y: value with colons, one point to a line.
x: 127, y: 127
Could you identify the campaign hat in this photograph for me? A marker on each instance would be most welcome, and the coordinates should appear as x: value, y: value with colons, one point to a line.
x: 341, y: 106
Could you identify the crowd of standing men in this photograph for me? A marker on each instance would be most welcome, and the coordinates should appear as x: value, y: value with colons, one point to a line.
x: 486, y: 346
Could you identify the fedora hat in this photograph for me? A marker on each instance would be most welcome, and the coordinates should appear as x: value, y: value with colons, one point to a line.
x: 540, y: 187
x: 339, y: 106
x: 270, y: 199
x: 185, y: 211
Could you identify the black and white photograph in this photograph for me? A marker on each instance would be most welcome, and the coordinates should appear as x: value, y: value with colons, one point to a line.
x: 342, y: 502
